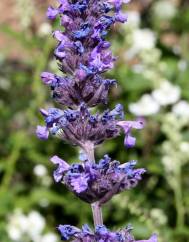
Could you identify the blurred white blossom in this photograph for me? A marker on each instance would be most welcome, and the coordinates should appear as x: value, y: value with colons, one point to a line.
x: 164, y: 9
x: 25, y: 10
x: 25, y: 228
x: 50, y: 237
x: 36, y: 224
x: 181, y: 109
x: 158, y: 216
x: 145, y: 106
x: 142, y: 39
x: 40, y: 170
x: 44, y: 29
x: 167, y: 93
x: 134, y: 19
x: 21, y: 226
x: 17, y: 225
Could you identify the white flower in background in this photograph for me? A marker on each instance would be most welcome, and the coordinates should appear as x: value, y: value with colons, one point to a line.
x: 181, y: 109
x: 169, y: 163
x: 184, y: 147
x: 158, y: 216
x: 25, y: 10
x: 134, y: 18
x: 167, y: 93
x: 36, y: 224
x: 165, y: 9
x: 17, y: 225
x: 142, y: 39
x: 50, y: 237
x: 22, y: 228
x: 145, y: 106
x: 44, y: 29
x: 40, y: 170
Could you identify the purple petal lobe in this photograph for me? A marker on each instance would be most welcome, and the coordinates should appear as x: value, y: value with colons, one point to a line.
x: 42, y: 132
x: 52, y: 13
x: 63, y: 166
x: 48, y: 78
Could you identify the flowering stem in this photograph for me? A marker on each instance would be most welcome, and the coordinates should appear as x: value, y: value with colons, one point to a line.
x: 96, y: 208
x: 88, y: 148
x: 97, y: 213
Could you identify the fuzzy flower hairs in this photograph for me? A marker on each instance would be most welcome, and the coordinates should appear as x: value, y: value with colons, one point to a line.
x: 83, y: 55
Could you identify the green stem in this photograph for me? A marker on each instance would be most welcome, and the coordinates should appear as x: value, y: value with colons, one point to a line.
x: 179, y: 199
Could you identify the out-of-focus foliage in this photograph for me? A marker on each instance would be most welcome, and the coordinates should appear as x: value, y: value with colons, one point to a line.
x: 153, y: 75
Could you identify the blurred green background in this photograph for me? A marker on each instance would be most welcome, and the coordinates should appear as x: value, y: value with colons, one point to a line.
x: 153, y: 76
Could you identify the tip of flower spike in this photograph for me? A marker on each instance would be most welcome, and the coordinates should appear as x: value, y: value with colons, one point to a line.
x: 42, y: 132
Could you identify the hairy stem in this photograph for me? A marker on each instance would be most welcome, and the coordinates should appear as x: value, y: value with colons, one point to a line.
x: 96, y: 208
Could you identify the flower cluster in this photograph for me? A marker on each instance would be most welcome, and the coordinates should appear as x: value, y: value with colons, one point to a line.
x: 80, y: 126
x: 82, y: 51
x: 83, y: 55
x: 97, y: 181
x: 101, y: 234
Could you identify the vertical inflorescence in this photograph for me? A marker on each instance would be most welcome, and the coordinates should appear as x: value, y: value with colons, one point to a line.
x: 83, y: 56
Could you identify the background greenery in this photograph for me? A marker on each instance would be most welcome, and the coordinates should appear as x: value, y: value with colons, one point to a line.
x: 160, y: 203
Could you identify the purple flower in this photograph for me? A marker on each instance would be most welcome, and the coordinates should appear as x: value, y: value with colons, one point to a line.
x: 100, y: 234
x: 42, y: 132
x: 98, y: 182
x: 48, y: 78
x: 83, y: 55
x: 127, y: 126
x: 80, y: 183
x: 61, y: 169
x: 52, y: 13
x: 67, y: 231
x: 153, y: 238
x: 79, y: 126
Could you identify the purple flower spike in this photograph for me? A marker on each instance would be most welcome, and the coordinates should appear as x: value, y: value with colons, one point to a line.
x: 62, y: 168
x: 127, y: 126
x: 83, y: 55
x: 42, y: 132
